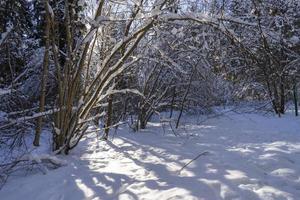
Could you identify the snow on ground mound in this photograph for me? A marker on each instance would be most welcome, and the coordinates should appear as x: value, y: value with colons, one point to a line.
x: 249, y: 157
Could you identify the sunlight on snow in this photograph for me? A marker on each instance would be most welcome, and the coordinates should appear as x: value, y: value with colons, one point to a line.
x: 86, y: 190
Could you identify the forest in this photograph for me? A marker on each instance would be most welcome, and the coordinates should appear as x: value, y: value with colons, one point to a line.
x: 149, y: 99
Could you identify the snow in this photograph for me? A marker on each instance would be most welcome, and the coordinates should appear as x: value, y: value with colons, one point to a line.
x: 4, y: 35
x: 250, y: 157
x: 4, y: 91
x: 26, y: 151
x: 3, y: 116
x: 50, y: 10
x: 295, y: 40
x: 89, y: 36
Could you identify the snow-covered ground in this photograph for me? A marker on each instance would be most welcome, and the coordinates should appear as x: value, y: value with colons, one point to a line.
x: 249, y: 157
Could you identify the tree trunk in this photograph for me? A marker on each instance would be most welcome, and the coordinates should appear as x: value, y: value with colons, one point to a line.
x: 36, y: 141
x: 142, y: 117
x: 109, y: 117
x: 282, y: 97
x: 172, y: 102
x: 276, y: 101
x: 183, y: 100
x: 142, y: 124
x: 295, y: 98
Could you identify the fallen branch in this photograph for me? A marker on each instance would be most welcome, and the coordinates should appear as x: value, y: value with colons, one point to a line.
x: 198, y: 156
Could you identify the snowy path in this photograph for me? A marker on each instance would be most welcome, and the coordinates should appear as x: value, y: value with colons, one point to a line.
x: 250, y: 157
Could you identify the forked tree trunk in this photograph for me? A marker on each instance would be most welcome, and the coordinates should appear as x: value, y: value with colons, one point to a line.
x: 77, y: 105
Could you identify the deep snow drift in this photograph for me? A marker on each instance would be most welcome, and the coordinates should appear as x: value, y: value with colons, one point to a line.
x: 249, y: 157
